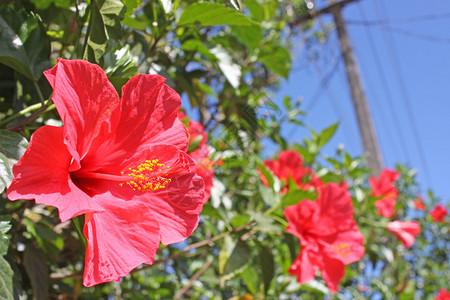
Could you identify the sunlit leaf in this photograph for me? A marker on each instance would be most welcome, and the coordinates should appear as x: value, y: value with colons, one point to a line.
x: 24, y: 44
x: 210, y: 14
x: 104, y: 24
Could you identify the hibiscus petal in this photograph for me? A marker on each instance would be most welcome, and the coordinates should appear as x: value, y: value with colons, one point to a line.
x: 42, y: 174
x: 406, y: 232
x: 118, y: 240
x: 176, y: 206
x: 84, y: 99
x: 299, y: 216
x: 336, y: 210
x: 385, y: 207
x: 148, y: 114
x: 347, y: 246
x: 303, y: 268
x: 332, y: 272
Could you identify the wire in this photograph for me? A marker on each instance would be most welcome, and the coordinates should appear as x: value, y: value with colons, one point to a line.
x: 394, y: 58
x: 429, y: 17
x: 387, y: 92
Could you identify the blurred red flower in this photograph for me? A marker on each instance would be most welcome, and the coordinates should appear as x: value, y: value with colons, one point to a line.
x: 290, y: 165
x: 438, y: 213
x: 382, y: 186
x: 406, y: 232
x: 200, y: 153
x: 121, y: 162
x: 328, y: 234
x: 443, y: 295
x: 419, y: 203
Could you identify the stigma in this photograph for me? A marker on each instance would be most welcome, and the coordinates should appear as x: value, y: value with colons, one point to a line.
x: 153, y: 175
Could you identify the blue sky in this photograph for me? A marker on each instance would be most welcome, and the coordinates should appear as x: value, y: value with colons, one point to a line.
x: 403, y: 51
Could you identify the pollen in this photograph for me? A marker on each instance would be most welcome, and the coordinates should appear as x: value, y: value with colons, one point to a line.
x: 153, y: 175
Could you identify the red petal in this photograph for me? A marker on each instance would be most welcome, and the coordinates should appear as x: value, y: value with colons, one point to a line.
x: 332, y: 272
x: 177, y: 207
x: 300, y: 216
x: 385, y: 207
x: 303, y: 268
x: 406, y: 232
x: 118, y: 240
x: 42, y: 174
x: 347, y: 247
x: 84, y: 99
x: 149, y: 114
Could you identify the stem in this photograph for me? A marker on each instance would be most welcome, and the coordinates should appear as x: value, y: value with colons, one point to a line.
x: 38, y: 91
x: 24, y: 111
x: 77, y: 224
x: 372, y: 223
x: 193, y: 279
x: 88, y: 31
x: 171, y: 257
x: 196, y: 245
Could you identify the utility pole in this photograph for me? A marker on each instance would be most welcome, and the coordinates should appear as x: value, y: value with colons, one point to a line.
x: 365, y: 123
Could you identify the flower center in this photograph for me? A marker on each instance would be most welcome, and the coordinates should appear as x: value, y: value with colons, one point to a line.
x: 342, y: 249
x: 153, y: 175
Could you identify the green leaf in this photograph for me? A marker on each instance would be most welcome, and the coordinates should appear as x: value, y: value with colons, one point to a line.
x: 250, y: 36
x: 238, y: 260
x: 326, y: 134
x: 24, y: 44
x: 37, y: 270
x: 231, y: 70
x: 5, y: 172
x: 210, y: 14
x: 131, y: 5
x: 6, y: 280
x: 198, y: 46
x: 295, y: 196
x: 276, y: 58
x: 167, y: 5
x: 266, y: 173
x: 12, y: 147
x: 48, y: 240
x: 267, y: 262
x: 251, y: 279
x: 256, y: 10
x: 104, y: 24
x: 236, y: 4
x: 264, y: 223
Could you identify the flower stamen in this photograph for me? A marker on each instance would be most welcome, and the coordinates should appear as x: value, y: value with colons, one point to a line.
x: 152, y: 175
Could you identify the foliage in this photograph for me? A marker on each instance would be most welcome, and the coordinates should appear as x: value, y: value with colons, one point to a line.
x: 226, y: 59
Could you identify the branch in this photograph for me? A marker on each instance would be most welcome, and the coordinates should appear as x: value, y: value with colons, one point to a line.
x: 171, y: 257
x: 315, y: 14
x: 193, y: 279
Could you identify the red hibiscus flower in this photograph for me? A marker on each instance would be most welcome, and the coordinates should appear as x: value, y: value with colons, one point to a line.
x: 383, y: 187
x: 204, y: 168
x: 418, y: 203
x: 197, y: 134
x: 442, y: 295
x: 328, y: 234
x: 290, y: 165
x: 406, y: 232
x: 121, y: 162
x: 438, y: 213
x: 200, y: 155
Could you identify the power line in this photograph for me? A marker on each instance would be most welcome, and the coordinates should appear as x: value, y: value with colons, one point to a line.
x: 394, y: 58
x: 387, y: 92
x: 428, y: 17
